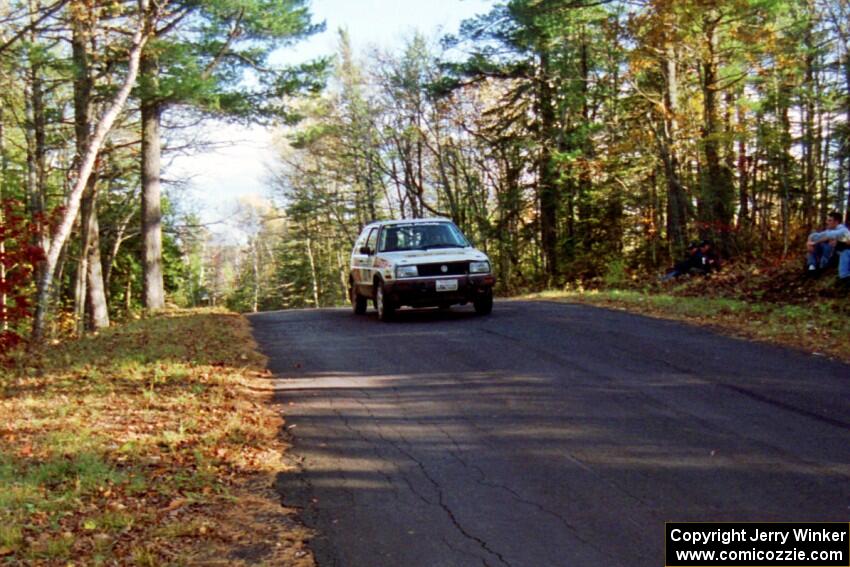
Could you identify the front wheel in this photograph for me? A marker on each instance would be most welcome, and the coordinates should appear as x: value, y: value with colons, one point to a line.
x: 358, y: 302
x: 484, y: 303
x: 385, y: 308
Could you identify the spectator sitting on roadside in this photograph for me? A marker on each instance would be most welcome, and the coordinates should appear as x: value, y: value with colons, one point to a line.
x: 821, y: 247
x: 691, y: 261
x: 709, y: 261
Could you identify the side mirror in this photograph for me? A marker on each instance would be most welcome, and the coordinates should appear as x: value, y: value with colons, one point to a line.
x: 365, y: 250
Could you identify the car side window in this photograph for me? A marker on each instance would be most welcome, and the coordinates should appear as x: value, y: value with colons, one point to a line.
x: 373, y: 240
x: 361, y: 241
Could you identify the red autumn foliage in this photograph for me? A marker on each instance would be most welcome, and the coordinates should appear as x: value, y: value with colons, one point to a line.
x: 18, y: 257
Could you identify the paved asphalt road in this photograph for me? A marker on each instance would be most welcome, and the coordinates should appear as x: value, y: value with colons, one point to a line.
x: 546, y: 434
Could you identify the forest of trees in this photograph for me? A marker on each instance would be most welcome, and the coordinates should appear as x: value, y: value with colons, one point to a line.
x: 86, y: 90
x: 571, y: 140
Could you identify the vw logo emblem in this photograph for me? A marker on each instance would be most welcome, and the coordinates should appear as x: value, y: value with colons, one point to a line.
x: 444, y: 268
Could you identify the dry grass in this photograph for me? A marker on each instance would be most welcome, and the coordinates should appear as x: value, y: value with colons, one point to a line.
x: 152, y: 443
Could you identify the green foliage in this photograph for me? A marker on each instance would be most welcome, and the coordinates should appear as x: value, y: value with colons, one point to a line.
x: 571, y: 142
x: 219, y: 61
x: 212, y: 56
x: 616, y: 274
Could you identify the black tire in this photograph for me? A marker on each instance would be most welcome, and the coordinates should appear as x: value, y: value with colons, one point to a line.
x: 484, y: 303
x: 385, y: 308
x: 358, y: 302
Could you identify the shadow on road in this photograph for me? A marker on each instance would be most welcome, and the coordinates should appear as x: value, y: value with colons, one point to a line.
x: 545, y: 435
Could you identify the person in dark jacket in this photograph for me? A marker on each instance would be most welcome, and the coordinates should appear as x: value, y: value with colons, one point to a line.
x: 690, y: 262
x: 709, y: 260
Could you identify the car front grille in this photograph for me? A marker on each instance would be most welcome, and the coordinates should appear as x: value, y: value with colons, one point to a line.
x: 452, y: 269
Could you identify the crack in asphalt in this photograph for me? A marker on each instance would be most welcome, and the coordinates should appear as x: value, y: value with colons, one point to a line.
x: 441, y: 502
x: 464, y: 552
x: 374, y: 448
x: 448, y: 510
x: 343, y: 485
x: 476, y: 497
x: 402, y: 474
x: 569, y: 456
x: 437, y: 487
x: 482, y: 478
x: 484, y: 481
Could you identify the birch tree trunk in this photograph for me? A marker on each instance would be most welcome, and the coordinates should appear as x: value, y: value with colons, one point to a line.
x: 83, y: 171
x: 343, y: 275
x: 96, y: 312
x: 313, y: 272
x: 89, y: 294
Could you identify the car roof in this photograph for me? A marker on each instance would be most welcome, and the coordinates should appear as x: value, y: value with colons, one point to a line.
x: 409, y: 221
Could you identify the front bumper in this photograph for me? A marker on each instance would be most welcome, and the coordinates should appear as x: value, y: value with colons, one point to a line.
x: 422, y: 292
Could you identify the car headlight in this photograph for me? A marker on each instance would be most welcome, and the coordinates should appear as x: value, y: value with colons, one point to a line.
x: 406, y: 272
x: 479, y: 267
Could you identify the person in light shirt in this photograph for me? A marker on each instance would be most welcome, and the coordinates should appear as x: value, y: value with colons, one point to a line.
x: 821, y: 246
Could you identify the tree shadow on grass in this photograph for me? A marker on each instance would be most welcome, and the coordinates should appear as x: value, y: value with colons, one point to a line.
x: 166, y: 352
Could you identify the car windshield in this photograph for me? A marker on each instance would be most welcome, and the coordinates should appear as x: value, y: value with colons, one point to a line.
x: 421, y: 236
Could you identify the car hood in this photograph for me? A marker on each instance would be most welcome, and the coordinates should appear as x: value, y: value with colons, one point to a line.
x: 403, y: 258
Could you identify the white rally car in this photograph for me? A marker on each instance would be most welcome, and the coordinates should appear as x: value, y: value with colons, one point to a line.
x: 418, y: 263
